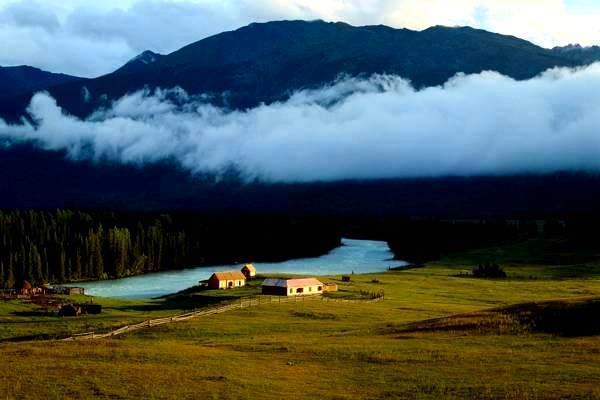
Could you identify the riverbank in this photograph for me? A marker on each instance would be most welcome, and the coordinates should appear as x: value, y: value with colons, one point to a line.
x: 353, y: 256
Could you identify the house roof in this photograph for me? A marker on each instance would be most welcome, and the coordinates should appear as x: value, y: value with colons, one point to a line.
x: 229, y: 276
x: 292, y: 283
x: 250, y: 267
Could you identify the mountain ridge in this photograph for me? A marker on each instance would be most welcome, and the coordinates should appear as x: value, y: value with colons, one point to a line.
x: 263, y: 63
x: 20, y: 79
x: 266, y: 62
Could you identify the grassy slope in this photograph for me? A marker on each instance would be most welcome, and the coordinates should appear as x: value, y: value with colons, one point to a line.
x: 333, y: 350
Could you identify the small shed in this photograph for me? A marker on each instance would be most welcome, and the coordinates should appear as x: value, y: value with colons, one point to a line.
x: 249, y: 271
x: 69, y: 310
x: 227, y: 280
x: 72, y: 291
x: 68, y: 290
x: 330, y: 287
x: 26, y: 289
x: 89, y: 308
x: 292, y: 287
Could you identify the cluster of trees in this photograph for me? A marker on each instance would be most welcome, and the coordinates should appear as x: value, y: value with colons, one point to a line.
x: 492, y: 271
x: 65, y: 245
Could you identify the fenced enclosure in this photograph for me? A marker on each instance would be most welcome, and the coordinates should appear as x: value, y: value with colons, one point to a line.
x: 243, y: 302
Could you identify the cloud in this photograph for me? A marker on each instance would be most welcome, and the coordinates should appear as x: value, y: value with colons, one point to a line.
x: 93, y: 38
x: 484, y: 124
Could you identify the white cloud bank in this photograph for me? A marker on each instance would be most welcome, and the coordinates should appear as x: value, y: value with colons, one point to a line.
x: 353, y: 129
x: 90, y: 38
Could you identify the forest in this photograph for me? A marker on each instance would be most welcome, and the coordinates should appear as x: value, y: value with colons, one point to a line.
x: 64, y: 245
x: 44, y: 246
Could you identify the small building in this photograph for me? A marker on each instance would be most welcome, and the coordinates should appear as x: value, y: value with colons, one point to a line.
x: 292, y: 287
x: 330, y: 287
x: 72, y: 291
x: 227, y: 280
x: 26, y: 289
x: 90, y: 308
x: 68, y: 290
x: 69, y: 310
x: 249, y: 271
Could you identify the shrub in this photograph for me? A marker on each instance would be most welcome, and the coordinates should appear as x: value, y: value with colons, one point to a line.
x: 367, y: 294
x: 489, y: 271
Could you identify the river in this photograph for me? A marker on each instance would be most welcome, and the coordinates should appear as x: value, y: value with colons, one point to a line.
x: 358, y: 256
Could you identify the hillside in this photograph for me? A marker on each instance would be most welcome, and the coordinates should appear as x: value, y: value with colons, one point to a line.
x: 267, y: 61
x: 579, y: 54
x: 23, y: 79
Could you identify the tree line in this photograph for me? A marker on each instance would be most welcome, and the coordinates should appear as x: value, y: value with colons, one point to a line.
x: 68, y: 245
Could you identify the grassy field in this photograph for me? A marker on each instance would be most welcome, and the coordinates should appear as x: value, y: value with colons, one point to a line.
x: 437, y: 335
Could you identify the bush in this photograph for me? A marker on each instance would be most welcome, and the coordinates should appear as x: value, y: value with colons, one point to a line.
x: 489, y: 271
x: 367, y: 294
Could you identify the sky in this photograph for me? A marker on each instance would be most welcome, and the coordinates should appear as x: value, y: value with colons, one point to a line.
x: 90, y: 38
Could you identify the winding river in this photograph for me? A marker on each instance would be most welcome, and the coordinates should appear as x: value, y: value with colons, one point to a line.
x: 358, y: 256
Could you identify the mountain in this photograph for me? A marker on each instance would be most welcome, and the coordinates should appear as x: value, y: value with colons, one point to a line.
x: 32, y: 178
x: 578, y: 53
x: 139, y: 62
x: 265, y: 62
x: 23, y: 79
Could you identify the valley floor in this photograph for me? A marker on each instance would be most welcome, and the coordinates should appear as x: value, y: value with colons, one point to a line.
x: 434, y: 336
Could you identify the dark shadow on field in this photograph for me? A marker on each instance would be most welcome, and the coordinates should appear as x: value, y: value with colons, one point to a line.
x: 179, y: 303
x: 574, y: 271
x: 38, y: 313
x: 569, y: 318
x: 567, y: 258
x: 29, y: 338
x: 564, y: 318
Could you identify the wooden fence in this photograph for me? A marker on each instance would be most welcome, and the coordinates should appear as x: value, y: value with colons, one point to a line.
x: 243, y: 302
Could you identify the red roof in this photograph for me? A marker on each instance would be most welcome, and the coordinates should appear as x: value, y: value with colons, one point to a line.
x: 229, y: 276
x: 293, y: 283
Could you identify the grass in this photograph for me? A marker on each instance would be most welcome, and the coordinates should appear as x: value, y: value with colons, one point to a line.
x: 437, y: 335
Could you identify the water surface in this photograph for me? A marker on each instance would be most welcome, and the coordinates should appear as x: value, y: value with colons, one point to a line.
x: 358, y: 256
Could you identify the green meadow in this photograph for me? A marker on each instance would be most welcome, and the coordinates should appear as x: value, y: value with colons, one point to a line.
x: 438, y: 334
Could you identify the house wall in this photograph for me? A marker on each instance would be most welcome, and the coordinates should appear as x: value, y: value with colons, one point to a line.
x: 214, y: 283
x: 306, y: 290
x: 224, y: 284
x: 282, y: 291
x: 274, y: 290
x: 248, y: 273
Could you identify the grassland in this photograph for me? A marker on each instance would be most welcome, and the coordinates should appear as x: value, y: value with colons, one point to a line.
x: 438, y: 334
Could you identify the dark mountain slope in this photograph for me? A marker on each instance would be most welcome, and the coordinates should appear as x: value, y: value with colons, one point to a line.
x: 23, y: 79
x: 44, y: 179
x: 265, y: 62
x: 139, y: 62
x: 579, y: 54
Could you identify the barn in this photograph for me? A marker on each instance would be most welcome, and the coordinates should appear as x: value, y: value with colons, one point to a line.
x: 292, y: 287
x: 26, y: 289
x: 68, y: 290
x: 72, y: 291
x: 249, y: 271
x: 226, y: 280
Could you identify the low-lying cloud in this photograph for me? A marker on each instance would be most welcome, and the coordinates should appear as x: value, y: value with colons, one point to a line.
x: 381, y: 127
